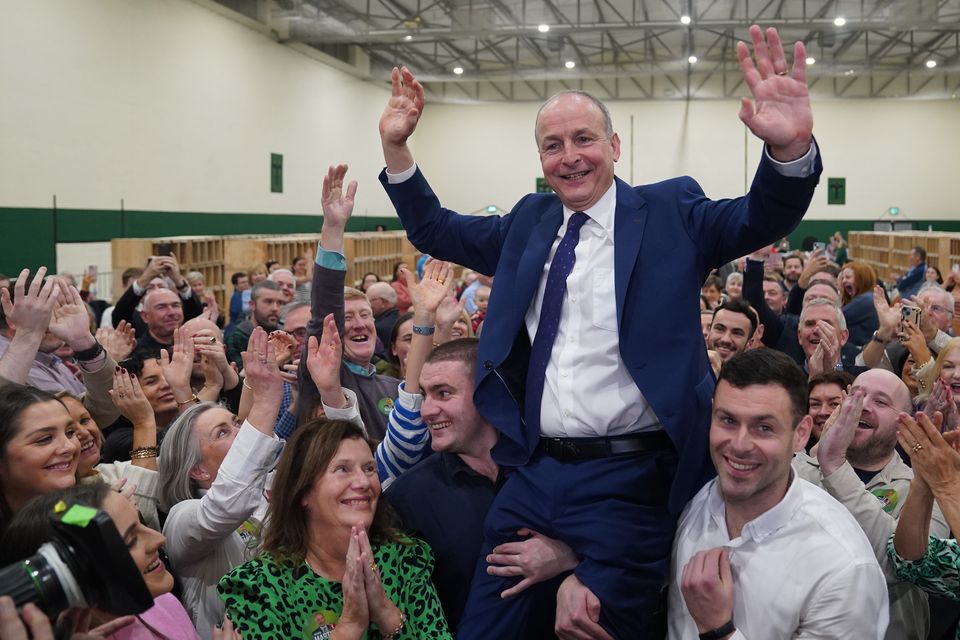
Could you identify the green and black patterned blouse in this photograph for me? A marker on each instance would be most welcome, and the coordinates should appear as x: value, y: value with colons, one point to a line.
x: 269, y: 599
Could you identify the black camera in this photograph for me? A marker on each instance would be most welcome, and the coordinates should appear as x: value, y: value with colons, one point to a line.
x: 86, y: 564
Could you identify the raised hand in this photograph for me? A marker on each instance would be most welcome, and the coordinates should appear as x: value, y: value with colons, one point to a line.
x: 33, y: 308
x: 941, y: 399
x: 128, y: 397
x: 826, y: 355
x: 118, y: 343
x: 212, y: 310
x: 780, y: 114
x: 836, y: 438
x: 284, y: 345
x: 402, y: 113
x: 71, y: 321
x: 889, y: 317
x: 177, y: 363
x: 323, y: 363
x: 931, y: 456
x: 437, y: 284
x: 337, y: 204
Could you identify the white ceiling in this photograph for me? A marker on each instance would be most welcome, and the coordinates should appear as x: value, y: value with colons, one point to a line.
x: 626, y: 49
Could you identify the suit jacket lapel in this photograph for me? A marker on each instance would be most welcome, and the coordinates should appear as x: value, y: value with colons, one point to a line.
x: 629, y: 221
x: 535, y: 256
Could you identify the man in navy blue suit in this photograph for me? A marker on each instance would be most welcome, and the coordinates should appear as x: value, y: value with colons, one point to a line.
x: 591, y: 364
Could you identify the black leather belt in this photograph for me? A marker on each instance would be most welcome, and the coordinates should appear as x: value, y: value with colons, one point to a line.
x: 570, y: 449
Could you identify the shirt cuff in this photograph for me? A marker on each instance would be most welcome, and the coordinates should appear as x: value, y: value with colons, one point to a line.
x: 802, y: 167
x: 348, y: 413
x: 333, y: 260
x: 92, y: 366
x: 403, y: 176
x: 939, y: 341
x: 409, y: 401
x: 137, y: 289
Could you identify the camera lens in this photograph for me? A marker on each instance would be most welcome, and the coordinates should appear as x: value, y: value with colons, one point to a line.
x: 44, y: 579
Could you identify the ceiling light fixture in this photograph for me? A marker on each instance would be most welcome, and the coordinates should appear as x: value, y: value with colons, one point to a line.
x: 408, y: 37
x: 570, y: 64
x: 839, y: 21
x: 931, y: 64
x: 543, y: 28
x: 458, y: 71
x: 684, y: 19
x: 811, y: 60
x: 692, y: 59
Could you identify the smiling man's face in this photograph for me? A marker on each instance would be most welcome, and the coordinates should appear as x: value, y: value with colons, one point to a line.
x: 576, y: 151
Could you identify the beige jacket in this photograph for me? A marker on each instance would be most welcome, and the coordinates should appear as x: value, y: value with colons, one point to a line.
x: 876, y: 507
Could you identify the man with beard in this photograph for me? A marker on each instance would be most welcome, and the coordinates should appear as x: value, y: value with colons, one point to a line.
x: 857, y: 464
x: 792, y: 268
x: 266, y: 300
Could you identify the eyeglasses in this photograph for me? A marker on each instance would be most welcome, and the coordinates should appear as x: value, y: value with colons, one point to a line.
x: 299, y: 333
x: 937, y: 308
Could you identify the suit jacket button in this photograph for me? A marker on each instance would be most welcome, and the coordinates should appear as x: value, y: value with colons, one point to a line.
x: 488, y: 364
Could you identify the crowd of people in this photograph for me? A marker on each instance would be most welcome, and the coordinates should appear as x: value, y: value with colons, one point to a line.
x: 523, y: 435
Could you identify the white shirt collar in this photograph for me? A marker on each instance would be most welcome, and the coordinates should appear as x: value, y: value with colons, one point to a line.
x: 602, y: 212
x: 768, y: 522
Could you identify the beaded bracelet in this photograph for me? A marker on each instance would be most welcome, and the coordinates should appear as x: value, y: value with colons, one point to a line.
x: 144, y: 452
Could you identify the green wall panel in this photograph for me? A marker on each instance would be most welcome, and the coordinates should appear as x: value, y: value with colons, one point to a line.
x: 28, y: 240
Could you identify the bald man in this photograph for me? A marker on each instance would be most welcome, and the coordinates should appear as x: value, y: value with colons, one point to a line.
x: 857, y: 463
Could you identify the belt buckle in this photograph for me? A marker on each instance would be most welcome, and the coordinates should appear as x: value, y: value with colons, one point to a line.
x: 569, y: 448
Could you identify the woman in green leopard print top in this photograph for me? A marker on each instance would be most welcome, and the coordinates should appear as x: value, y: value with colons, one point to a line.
x: 320, y: 576
x: 933, y: 564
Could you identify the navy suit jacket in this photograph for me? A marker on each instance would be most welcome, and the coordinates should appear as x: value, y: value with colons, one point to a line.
x: 668, y: 236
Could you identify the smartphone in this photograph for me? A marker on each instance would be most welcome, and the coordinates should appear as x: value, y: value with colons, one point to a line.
x: 92, y: 271
x: 164, y: 249
x: 819, y: 246
x: 955, y: 268
x: 913, y: 314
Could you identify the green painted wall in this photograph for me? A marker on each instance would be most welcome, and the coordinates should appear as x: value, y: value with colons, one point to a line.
x: 30, y: 235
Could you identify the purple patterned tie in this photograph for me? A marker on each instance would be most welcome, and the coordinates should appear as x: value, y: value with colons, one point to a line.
x: 553, y: 294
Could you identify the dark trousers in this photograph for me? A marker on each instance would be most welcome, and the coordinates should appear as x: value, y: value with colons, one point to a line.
x: 612, y: 512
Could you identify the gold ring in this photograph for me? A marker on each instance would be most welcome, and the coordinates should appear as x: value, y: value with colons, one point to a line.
x: 916, y: 447
x: 213, y: 340
x: 374, y: 567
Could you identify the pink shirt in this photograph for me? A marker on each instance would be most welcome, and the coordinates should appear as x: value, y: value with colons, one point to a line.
x: 166, y: 615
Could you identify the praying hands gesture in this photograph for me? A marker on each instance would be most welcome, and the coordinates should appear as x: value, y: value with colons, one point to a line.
x: 826, y: 355
x: 364, y: 599
x: 780, y: 113
x: 941, y: 399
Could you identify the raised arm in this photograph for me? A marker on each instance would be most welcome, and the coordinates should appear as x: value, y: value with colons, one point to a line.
x: 399, y: 120
x: 780, y: 113
x: 29, y: 316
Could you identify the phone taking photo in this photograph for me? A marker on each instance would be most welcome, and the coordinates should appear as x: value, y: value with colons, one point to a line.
x: 911, y: 314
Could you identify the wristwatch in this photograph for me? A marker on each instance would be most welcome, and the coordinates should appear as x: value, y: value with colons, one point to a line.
x: 876, y: 338
x: 719, y: 632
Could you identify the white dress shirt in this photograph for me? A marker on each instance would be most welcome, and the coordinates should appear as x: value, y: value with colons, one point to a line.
x: 803, y: 569
x: 588, y: 391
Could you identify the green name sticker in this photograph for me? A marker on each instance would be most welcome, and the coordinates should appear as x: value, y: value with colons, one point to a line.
x: 78, y: 515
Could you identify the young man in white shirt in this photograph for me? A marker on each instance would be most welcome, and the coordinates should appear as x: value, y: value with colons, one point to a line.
x: 759, y: 552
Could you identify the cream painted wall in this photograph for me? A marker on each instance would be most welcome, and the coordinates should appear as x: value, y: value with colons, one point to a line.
x: 171, y: 106
x: 891, y: 152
